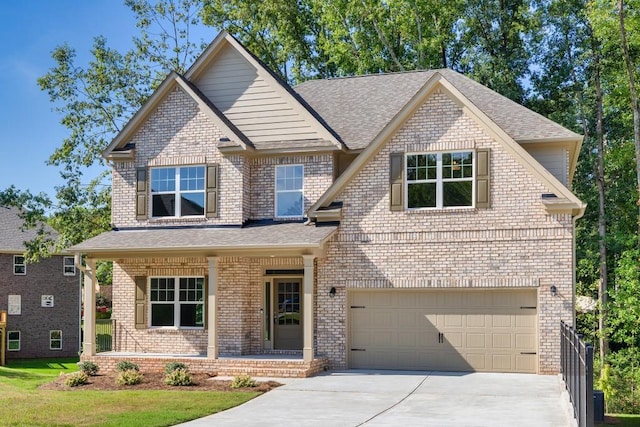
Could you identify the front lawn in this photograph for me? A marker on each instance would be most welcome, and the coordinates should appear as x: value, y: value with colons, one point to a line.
x: 22, y: 403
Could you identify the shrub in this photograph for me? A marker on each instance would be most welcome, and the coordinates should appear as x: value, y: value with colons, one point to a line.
x: 172, y: 366
x: 89, y: 368
x: 125, y: 365
x: 76, y: 379
x: 242, y: 381
x: 129, y: 377
x: 178, y: 377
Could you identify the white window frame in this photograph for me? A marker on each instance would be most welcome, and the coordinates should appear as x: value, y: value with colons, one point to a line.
x: 14, y: 305
x: 177, y: 303
x: 276, y: 191
x: 19, y: 341
x: 439, y: 181
x: 68, y: 269
x: 16, y: 264
x: 178, y: 192
x: 52, y: 340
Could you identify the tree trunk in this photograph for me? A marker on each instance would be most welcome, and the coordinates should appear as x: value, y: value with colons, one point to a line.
x: 634, y: 100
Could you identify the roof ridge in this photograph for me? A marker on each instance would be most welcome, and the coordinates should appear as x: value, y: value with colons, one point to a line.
x: 357, y: 76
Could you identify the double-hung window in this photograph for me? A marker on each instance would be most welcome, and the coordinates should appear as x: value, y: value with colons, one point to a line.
x: 440, y: 180
x: 68, y: 266
x: 19, y: 265
x: 55, y: 340
x: 178, y: 191
x: 289, y: 191
x: 177, y: 302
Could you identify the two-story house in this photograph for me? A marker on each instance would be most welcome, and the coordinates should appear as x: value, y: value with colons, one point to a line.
x: 411, y: 221
x: 42, y: 300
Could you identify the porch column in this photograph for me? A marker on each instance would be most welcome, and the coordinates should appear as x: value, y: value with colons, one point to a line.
x: 89, y: 336
x: 212, y: 324
x: 308, y: 309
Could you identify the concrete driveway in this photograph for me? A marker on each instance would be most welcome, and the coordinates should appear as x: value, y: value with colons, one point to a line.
x: 401, y: 398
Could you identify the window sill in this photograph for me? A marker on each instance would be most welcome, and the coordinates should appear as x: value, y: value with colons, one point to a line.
x: 441, y: 210
x: 171, y: 219
x: 170, y: 330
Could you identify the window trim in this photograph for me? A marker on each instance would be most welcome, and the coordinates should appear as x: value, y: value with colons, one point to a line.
x: 178, y: 192
x: 276, y: 192
x: 64, y: 266
x: 19, y: 341
x: 439, y: 181
x: 16, y: 264
x: 177, y: 303
x: 52, y: 340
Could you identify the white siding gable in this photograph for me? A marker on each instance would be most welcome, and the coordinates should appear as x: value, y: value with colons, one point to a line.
x: 554, y: 159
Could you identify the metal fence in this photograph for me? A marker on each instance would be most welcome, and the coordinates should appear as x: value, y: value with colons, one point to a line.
x: 576, y: 359
x: 105, y: 334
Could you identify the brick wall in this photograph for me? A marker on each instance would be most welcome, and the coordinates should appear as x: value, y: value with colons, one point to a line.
x: 35, y: 321
x: 512, y: 244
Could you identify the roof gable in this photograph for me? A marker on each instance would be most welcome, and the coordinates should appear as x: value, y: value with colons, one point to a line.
x: 12, y: 234
x: 261, y: 106
x: 438, y: 81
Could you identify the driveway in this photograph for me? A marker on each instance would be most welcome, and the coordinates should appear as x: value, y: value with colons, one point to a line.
x: 401, y: 398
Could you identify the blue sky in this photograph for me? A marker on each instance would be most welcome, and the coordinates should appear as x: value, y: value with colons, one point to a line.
x: 29, y: 128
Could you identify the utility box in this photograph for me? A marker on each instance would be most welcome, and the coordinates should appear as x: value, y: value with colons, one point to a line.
x: 598, y: 406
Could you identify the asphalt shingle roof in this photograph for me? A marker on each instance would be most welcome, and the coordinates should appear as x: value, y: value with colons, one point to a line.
x: 251, y: 237
x: 358, y: 108
x: 12, y: 237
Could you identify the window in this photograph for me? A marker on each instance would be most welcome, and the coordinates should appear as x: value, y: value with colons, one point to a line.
x: 182, y: 307
x: 289, y: 192
x: 55, y: 340
x: 177, y: 192
x: 19, y: 265
x: 14, y: 305
x: 68, y: 266
x: 440, y: 180
x: 13, y: 340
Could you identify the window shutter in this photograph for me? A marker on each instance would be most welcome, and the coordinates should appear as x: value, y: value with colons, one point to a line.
x: 141, y: 193
x: 206, y: 302
x: 212, y: 191
x: 483, y: 181
x: 396, y: 181
x: 141, y: 302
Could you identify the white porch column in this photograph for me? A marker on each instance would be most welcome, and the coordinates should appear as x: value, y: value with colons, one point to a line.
x: 212, y: 324
x: 308, y: 309
x: 89, y: 336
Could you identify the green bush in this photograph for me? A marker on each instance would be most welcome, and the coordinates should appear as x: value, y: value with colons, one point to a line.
x: 620, y: 382
x: 243, y: 381
x: 129, y: 377
x: 178, y: 377
x: 89, y: 368
x: 76, y: 379
x: 172, y: 366
x: 125, y: 365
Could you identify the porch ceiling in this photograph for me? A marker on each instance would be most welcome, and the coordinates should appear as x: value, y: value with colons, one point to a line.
x: 255, y: 240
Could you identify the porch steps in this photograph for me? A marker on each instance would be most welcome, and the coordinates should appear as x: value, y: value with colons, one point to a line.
x: 227, y: 366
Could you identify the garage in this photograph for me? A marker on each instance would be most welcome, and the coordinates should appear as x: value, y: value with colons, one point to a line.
x: 454, y: 330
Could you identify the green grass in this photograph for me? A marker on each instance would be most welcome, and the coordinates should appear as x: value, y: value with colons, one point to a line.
x: 621, y: 420
x: 23, y: 404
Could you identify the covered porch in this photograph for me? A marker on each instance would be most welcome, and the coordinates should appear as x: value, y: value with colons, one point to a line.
x: 254, y: 305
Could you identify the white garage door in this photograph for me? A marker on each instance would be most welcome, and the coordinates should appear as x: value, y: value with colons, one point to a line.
x: 454, y: 330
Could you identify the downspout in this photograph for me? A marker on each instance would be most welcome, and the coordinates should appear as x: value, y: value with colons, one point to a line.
x: 573, y: 255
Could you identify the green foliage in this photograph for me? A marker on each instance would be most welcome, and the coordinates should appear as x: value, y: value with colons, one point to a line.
x: 178, y: 377
x: 622, y: 382
x: 243, y: 381
x: 125, y: 365
x: 129, y: 377
x: 76, y: 379
x: 89, y: 368
x: 172, y: 366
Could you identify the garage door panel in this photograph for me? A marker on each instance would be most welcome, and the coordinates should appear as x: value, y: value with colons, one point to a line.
x: 481, y: 330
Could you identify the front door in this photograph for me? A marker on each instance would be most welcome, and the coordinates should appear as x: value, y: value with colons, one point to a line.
x: 288, y: 314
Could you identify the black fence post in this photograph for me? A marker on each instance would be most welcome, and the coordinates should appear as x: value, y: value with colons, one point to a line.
x: 576, y: 363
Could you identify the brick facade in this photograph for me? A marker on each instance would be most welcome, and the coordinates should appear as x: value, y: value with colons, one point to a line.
x: 34, y: 323
x: 513, y: 244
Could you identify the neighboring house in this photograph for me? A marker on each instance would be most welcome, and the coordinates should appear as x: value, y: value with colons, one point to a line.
x: 414, y: 221
x: 42, y: 299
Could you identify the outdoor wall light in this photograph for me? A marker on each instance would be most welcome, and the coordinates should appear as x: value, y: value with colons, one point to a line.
x: 332, y: 292
x: 554, y: 290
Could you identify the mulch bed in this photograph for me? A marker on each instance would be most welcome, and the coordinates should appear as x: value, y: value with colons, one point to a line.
x: 155, y: 381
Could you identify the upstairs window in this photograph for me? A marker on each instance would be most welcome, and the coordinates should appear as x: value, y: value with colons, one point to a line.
x: 289, y: 191
x: 440, y: 180
x: 19, y: 265
x: 68, y: 266
x: 178, y: 191
x: 178, y: 306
